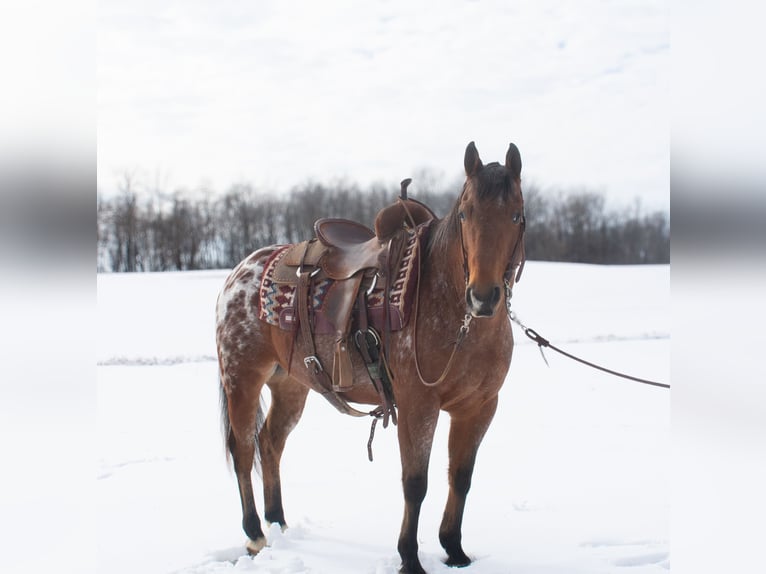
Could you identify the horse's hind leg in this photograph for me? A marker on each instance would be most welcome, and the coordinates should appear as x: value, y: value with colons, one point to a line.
x: 465, y: 435
x: 242, y: 393
x: 287, y: 401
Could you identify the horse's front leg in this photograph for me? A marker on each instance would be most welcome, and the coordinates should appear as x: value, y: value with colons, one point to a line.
x: 416, y: 428
x: 466, y: 432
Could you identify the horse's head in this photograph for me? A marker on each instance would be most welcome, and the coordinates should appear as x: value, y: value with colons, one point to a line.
x: 490, y: 212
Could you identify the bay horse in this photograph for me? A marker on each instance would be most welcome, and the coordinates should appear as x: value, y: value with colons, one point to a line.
x: 452, y: 355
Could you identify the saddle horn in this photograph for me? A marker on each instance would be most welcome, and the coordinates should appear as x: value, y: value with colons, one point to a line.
x: 405, y: 183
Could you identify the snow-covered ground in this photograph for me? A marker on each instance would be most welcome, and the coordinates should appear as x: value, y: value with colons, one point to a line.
x: 572, y: 477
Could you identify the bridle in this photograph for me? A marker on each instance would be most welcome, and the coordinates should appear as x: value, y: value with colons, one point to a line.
x: 519, y: 244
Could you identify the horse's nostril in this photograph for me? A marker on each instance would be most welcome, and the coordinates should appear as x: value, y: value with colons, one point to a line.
x: 482, y: 304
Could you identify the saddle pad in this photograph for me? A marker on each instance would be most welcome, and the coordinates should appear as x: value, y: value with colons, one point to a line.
x: 276, y: 298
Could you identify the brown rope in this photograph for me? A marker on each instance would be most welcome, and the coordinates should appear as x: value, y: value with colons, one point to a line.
x: 543, y: 342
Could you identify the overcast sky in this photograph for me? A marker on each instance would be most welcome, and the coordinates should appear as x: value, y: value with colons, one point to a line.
x: 202, y: 92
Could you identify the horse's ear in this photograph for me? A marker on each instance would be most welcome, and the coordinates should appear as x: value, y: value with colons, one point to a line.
x: 472, y: 161
x: 513, y: 161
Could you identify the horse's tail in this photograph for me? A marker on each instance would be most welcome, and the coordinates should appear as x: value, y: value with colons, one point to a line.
x: 260, y: 419
x: 228, y: 439
x: 223, y: 401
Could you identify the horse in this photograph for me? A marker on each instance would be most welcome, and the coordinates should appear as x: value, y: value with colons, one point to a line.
x: 453, y: 355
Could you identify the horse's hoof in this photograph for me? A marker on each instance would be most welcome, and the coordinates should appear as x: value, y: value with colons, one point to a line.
x: 255, y: 546
x: 458, y: 561
x: 413, y: 568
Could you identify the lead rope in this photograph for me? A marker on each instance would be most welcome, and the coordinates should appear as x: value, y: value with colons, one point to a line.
x: 543, y: 342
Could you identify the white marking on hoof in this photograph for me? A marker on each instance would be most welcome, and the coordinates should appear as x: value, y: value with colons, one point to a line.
x: 255, y: 546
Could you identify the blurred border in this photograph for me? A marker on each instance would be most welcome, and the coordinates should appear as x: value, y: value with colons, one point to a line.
x: 718, y: 270
x: 47, y: 290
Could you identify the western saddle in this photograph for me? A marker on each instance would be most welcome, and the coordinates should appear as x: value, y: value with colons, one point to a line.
x: 357, y: 260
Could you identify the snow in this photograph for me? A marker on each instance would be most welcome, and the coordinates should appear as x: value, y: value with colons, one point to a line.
x: 573, y: 475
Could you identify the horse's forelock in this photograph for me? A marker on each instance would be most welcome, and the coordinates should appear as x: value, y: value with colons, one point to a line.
x: 494, y: 181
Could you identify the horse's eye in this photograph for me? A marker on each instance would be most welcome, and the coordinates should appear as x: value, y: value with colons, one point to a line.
x: 461, y: 216
x: 516, y: 217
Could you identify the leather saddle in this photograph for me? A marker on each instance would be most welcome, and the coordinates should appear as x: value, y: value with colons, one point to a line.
x: 356, y: 259
x: 342, y: 248
x: 353, y: 247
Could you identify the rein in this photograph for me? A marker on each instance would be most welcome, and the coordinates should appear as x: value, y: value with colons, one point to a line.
x: 543, y: 342
x: 461, y: 333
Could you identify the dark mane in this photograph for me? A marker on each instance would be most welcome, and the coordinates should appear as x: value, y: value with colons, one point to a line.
x: 443, y: 229
x: 494, y: 181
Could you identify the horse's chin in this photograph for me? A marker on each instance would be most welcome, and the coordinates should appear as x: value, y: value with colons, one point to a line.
x: 481, y: 313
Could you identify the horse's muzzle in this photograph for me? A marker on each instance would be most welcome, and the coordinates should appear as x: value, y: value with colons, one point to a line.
x: 482, y: 304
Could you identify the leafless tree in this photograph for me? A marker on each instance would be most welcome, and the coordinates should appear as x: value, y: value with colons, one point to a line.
x: 181, y: 230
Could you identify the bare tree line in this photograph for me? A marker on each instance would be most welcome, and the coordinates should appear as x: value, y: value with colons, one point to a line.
x: 141, y: 231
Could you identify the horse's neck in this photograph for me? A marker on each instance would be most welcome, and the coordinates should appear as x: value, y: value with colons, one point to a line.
x: 443, y: 282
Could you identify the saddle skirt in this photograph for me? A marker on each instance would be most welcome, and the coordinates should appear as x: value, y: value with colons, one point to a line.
x: 277, y: 294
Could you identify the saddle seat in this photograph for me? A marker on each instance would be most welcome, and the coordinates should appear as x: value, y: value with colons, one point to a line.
x: 351, y: 248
